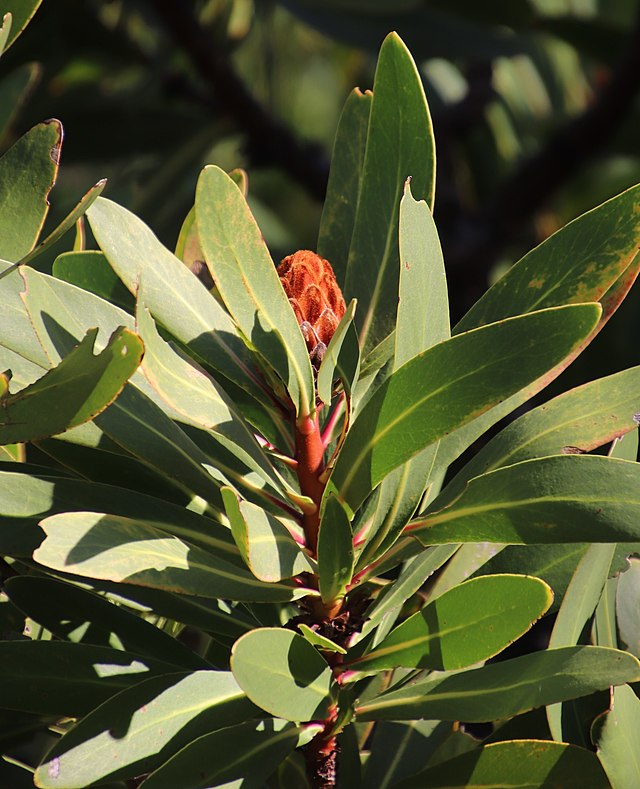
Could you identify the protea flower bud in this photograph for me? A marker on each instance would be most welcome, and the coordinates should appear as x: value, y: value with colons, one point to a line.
x: 316, y: 298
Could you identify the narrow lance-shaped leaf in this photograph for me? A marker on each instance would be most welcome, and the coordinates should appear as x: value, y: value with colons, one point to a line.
x: 579, y: 420
x: 422, y: 322
x: 28, y: 171
x: 399, y: 144
x: 469, y: 623
x: 330, y: 364
x: 508, y: 688
x: 175, y: 297
x: 264, y: 542
x: 335, y: 551
x: 559, y: 499
x: 198, y: 398
x: 21, y: 12
x: 578, y: 263
x: 125, y: 550
x: 449, y: 385
x: 72, y: 393
x: 616, y: 735
x: 249, y: 285
x: 345, y: 177
x: 68, y: 222
x: 140, y: 728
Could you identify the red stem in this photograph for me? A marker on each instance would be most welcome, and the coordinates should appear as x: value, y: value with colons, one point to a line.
x: 310, y: 457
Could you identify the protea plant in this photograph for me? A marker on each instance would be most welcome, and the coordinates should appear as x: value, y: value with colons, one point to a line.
x: 234, y: 555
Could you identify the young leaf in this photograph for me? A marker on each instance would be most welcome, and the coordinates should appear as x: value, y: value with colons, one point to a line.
x: 469, y: 623
x: 266, y: 545
x: 248, y: 284
x: 508, y: 688
x: 72, y: 393
x: 331, y: 362
x: 449, y: 385
x: 559, y: 499
x: 399, y: 144
x: 523, y: 763
x: 283, y: 674
x: 139, y: 729
x: 28, y: 171
x: 345, y: 177
x: 335, y: 551
x: 125, y: 550
x: 322, y: 642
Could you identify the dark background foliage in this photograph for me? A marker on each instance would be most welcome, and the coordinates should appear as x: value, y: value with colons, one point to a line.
x: 535, y: 107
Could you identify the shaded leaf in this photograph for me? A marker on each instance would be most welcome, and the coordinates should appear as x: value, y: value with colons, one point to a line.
x: 522, y: 763
x: 21, y: 12
x: 72, y: 393
x: 330, y: 364
x: 90, y: 271
x: 28, y: 171
x: 616, y: 735
x: 335, y: 551
x: 140, y: 728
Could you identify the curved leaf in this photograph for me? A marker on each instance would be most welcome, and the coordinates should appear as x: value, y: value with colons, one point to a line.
x: 451, y: 384
x: 282, y: 673
x: 508, y: 688
x: 249, y: 285
x: 470, y: 623
x: 616, y: 735
x: 559, y: 499
x: 335, y: 551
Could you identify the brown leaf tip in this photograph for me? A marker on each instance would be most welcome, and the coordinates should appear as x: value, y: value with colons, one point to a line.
x: 316, y: 298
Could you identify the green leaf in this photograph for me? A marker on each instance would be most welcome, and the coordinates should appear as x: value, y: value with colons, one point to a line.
x: 21, y: 12
x: 581, y: 419
x: 264, y: 542
x: 604, y: 625
x: 127, y: 550
x: 580, y: 600
x: 578, y: 263
x: 521, y: 763
x: 320, y: 641
x: 331, y: 362
x: 616, y: 735
x: 559, y: 499
x: 77, y: 615
x: 139, y: 729
x: 628, y: 607
x: 72, y: 393
x: 249, y: 752
x: 345, y: 178
x: 469, y: 623
x: 67, y: 223
x: 449, y: 385
x: 422, y: 322
x: 59, y: 678
x: 5, y: 30
x: 198, y: 399
x: 90, y: 271
x: 175, y: 297
x: 28, y: 171
x: 15, y: 87
x: 283, y: 674
x: 249, y: 285
x: 335, y: 551
x: 399, y: 144
x: 508, y: 688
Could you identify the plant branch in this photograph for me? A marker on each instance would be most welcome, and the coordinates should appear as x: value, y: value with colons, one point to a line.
x: 269, y: 141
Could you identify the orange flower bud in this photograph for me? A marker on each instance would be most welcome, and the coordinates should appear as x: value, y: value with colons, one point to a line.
x: 316, y: 298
